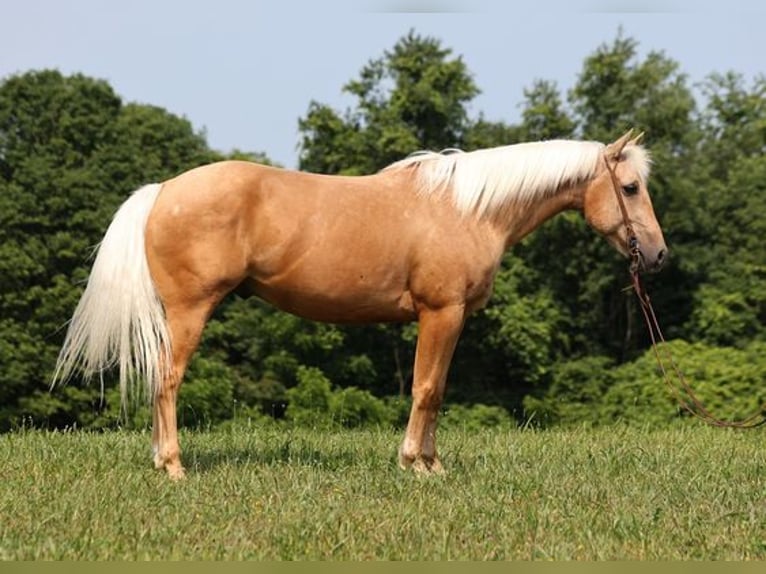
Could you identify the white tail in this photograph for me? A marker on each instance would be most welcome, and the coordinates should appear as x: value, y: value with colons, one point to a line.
x: 119, y: 320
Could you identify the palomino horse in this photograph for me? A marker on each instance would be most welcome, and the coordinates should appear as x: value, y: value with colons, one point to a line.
x: 420, y: 240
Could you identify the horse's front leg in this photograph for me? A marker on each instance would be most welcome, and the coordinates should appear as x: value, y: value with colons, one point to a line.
x: 439, y: 330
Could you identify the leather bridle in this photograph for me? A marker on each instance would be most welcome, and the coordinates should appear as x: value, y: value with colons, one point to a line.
x: 634, y: 250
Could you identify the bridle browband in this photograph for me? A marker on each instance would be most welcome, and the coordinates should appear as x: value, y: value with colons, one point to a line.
x: 683, y: 394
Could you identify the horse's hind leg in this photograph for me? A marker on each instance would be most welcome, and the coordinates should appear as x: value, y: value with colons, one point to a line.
x: 185, y: 324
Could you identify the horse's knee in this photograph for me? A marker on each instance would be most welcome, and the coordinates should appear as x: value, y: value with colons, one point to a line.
x: 426, y: 397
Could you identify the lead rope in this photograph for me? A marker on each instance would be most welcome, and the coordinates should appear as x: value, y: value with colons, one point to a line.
x: 689, y: 402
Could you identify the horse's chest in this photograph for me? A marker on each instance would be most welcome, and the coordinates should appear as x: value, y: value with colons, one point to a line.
x: 479, y: 288
x: 455, y: 282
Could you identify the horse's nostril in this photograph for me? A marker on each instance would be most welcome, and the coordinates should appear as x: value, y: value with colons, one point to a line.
x: 661, y: 256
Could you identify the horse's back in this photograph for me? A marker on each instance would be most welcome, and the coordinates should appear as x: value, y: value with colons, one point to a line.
x: 305, y: 242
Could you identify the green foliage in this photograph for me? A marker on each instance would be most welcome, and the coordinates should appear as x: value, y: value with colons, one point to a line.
x: 414, y: 97
x: 615, y: 90
x: 352, y: 407
x: 526, y: 325
x: 509, y: 348
x: 399, y: 409
x: 544, y: 117
x: 309, y: 401
x: 208, y: 393
x: 576, y: 393
x: 314, y: 403
x: 476, y: 417
x: 728, y: 381
x: 258, y: 339
x: 734, y: 120
x: 725, y: 317
x: 730, y: 303
x: 70, y: 153
x: 267, y: 396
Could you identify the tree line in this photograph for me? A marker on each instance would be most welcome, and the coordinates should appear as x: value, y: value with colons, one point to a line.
x: 561, y: 341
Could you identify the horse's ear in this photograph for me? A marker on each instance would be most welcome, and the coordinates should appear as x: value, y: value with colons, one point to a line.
x: 614, y: 149
x: 636, y: 140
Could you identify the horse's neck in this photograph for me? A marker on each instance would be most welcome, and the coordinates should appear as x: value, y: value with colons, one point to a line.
x: 519, y: 220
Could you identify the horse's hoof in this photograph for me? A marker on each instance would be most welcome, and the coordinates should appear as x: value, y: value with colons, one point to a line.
x: 175, y: 472
x: 422, y: 466
x: 428, y: 466
x: 436, y: 467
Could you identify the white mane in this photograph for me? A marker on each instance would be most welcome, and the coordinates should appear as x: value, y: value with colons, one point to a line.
x: 484, y: 181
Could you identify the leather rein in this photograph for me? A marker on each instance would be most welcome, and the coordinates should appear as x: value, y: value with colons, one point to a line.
x: 682, y: 391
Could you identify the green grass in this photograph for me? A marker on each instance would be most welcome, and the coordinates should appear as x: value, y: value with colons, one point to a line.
x: 278, y: 493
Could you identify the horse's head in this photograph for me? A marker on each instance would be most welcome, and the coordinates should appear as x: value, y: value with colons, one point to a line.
x: 629, y: 166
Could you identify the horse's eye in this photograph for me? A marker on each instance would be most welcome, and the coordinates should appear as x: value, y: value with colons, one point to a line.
x: 630, y: 189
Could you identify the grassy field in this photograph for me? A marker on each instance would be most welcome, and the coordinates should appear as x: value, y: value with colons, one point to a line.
x: 277, y: 493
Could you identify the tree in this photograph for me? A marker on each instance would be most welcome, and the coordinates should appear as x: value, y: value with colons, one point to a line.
x: 729, y: 306
x: 70, y: 153
x: 414, y: 97
x: 543, y: 117
x: 616, y: 90
x: 722, y: 228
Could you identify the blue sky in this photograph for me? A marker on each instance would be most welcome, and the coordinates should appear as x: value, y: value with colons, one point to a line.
x: 246, y: 71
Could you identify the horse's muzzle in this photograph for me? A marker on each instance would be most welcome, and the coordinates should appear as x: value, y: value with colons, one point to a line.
x: 653, y: 262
